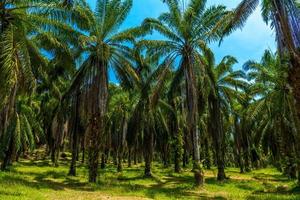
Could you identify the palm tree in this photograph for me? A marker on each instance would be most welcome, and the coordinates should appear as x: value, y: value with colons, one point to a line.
x: 273, y: 113
x: 149, y: 82
x: 284, y: 16
x: 222, y: 83
x: 119, y: 111
x: 183, y: 30
x: 104, y: 47
x: 25, y: 27
x: 23, y: 132
x: 176, y: 122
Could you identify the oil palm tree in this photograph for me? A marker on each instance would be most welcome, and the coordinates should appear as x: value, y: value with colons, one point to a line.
x: 118, y: 117
x: 24, y: 130
x: 284, y: 17
x: 183, y: 29
x: 277, y: 125
x: 25, y: 28
x: 104, y: 46
x: 222, y: 83
x: 149, y: 82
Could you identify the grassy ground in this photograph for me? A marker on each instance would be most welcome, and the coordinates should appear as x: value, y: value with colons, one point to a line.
x: 40, y: 180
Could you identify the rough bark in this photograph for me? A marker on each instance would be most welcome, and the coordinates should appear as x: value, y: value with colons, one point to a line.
x: 8, y: 155
x: 83, y: 149
x: 207, y: 154
x: 217, y: 131
x: 148, y: 150
x: 75, y: 138
x: 122, y: 137
x: 99, y: 98
x: 8, y: 117
x: 192, y: 115
x: 129, y: 157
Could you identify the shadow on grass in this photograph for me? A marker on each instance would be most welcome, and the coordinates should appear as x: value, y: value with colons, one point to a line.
x: 45, y: 180
x: 277, y: 193
x: 132, y: 181
x: 151, y: 190
x: 271, y: 177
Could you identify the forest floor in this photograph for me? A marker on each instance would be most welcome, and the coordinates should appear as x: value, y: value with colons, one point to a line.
x: 40, y: 180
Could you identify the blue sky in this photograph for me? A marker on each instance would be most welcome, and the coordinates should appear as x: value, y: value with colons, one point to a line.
x: 246, y: 44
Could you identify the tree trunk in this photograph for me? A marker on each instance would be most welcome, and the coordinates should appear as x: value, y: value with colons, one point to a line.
x: 75, y: 125
x: 217, y: 131
x: 103, y: 163
x: 185, y: 158
x: 8, y: 116
x: 129, y: 157
x: 8, y: 155
x: 119, y: 161
x: 207, y: 154
x: 178, y: 151
x: 72, y: 171
x: 148, y: 150
x: 238, y: 143
x: 83, y: 149
x: 247, y: 160
x: 134, y: 156
x: 99, y: 97
x: 192, y: 116
x: 177, y: 168
x: 122, y: 137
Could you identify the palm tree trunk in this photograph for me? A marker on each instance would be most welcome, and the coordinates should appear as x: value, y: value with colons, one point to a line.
x: 97, y: 121
x: 148, y: 150
x: 285, y: 32
x: 122, y: 142
x: 247, y: 160
x: 288, y: 35
x: 83, y: 149
x: 135, y: 156
x: 75, y: 125
x: 129, y: 157
x: 207, y: 154
x: 238, y: 143
x: 192, y: 117
x: 216, y: 128
x: 72, y: 171
x: 8, y: 154
x: 177, y: 137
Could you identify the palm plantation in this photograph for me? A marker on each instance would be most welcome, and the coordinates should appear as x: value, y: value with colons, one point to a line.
x: 176, y: 121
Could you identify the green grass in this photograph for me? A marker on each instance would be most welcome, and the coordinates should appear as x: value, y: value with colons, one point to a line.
x: 40, y: 180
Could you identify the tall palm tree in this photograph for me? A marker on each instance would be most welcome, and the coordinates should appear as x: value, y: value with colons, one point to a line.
x: 118, y: 117
x: 104, y: 47
x: 24, y: 28
x: 273, y: 113
x: 150, y: 79
x: 24, y: 130
x: 222, y: 85
x: 284, y: 16
x: 183, y: 29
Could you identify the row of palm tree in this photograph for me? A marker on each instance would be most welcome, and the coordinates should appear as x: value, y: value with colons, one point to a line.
x: 172, y: 100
